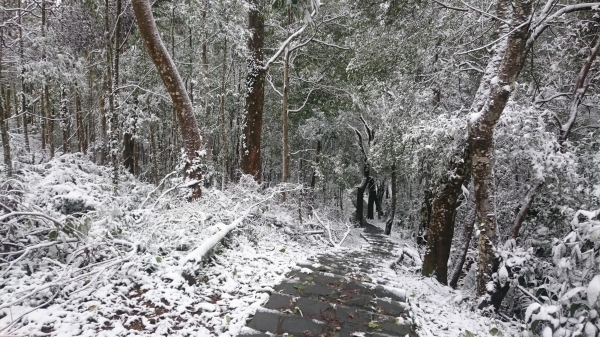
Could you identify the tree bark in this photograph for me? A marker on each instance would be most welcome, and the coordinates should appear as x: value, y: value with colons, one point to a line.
x: 51, y: 116
x: 4, y: 123
x: 284, y: 116
x: 79, y: 121
x: 65, y: 120
x: 425, y: 217
x: 579, y: 91
x: 154, y: 154
x: 514, y: 231
x: 371, y: 186
x: 313, y: 179
x: 255, y: 96
x: 461, y: 252
x: 207, y: 106
x: 390, y: 220
x: 441, y: 227
x: 170, y: 76
x: 22, y: 79
x: 496, y: 86
x: 43, y: 111
x: 223, y: 121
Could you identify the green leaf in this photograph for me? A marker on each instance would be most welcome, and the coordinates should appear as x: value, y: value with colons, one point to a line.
x: 467, y: 333
x: 534, y: 325
x: 86, y: 282
x: 227, y: 319
x: 282, y: 250
x: 234, y: 271
x: 495, y: 332
x: 373, y: 325
x: 53, y: 235
x: 309, y: 279
x: 300, y: 287
x: 158, y: 259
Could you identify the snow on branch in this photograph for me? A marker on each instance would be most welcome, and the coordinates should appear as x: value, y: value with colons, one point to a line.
x: 206, y: 246
x: 287, y: 42
x: 544, y: 19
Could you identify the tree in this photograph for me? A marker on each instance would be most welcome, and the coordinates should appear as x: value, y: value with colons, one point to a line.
x: 255, y: 80
x: 174, y: 85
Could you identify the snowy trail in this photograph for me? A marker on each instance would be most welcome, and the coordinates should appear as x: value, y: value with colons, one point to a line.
x: 337, y: 294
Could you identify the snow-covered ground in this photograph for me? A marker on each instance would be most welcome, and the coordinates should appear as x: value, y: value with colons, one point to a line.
x: 439, y: 310
x: 115, y: 265
x: 127, y: 263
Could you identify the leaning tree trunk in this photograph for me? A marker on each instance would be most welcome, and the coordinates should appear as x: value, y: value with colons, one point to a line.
x: 170, y: 76
x: 255, y: 96
x: 441, y: 227
x: 491, y: 98
x: 464, y: 242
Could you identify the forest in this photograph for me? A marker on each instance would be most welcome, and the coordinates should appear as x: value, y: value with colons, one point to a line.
x: 166, y: 164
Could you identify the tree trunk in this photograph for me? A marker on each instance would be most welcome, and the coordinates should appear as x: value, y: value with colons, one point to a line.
x: 43, y: 111
x: 103, y: 121
x: 65, y: 120
x: 174, y: 85
x: 112, y: 118
x: 22, y: 78
x: 207, y: 107
x: 578, y: 92
x: 461, y: 252
x: 371, y: 186
x: 525, y: 205
x: 255, y: 80
x: 496, y: 86
x: 79, y: 121
x: 223, y: 127
x: 424, y: 218
x: 441, y: 227
x: 154, y: 154
x: 390, y: 220
x: 360, y: 196
x: 313, y: 179
x: 51, y: 115
x: 4, y: 123
x: 284, y: 116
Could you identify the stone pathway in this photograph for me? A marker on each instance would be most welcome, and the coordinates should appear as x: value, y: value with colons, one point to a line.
x: 333, y: 295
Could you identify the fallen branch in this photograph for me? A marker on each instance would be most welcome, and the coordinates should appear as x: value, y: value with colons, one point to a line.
x: 328, y: 228
x: 157, y: 187
x: 206, y: 246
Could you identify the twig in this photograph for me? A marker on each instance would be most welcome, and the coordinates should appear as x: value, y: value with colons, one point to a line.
x: 157, y: 187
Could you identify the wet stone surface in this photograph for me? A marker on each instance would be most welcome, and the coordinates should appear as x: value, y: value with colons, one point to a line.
x: 333, y: 295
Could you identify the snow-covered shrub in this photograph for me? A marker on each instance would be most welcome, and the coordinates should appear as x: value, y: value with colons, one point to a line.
x: 563, y: 293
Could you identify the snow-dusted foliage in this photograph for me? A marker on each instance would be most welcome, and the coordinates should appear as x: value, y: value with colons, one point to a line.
x: 555, y: 283
x: 77, y: 259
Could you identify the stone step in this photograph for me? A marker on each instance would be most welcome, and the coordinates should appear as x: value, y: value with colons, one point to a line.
x: 347, y: 318
x: 343, y: 283
x: 275, y: 322
x: 306, y: 317
x: 345, y: 297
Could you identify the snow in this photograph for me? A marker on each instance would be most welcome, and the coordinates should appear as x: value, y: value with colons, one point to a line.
x: 142, y: 290
x: 438, y: 309
x: 139, y: 283
x: 593, y: 290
